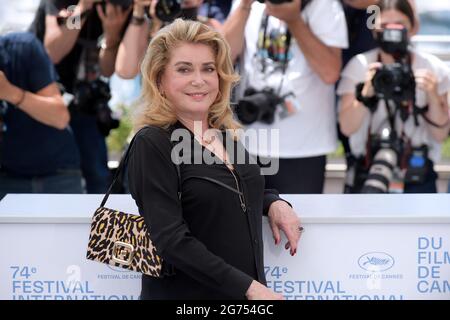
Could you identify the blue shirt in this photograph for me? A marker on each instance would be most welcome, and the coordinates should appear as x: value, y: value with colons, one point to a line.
x: 31, y: 148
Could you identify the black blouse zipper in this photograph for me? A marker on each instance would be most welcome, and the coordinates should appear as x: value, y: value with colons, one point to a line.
x: 241, y: 195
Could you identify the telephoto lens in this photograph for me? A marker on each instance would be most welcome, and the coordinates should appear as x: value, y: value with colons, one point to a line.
x: 381, y: 172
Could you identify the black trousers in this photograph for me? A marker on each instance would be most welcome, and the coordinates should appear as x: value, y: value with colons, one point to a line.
x: 298, y: 176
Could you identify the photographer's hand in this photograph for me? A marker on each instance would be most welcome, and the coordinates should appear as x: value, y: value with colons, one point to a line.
x: 287, y: 11
x: 438, y: 109
x: 427, y: 81
x: 352, y: 112
x: 156, y: 24
x: 62, y: 30
x: 140, y: 6
x: 113, y: 20
x: 135, y: 41
x: 368, y: 91
x: 324, y: 60
x: 246, y: 4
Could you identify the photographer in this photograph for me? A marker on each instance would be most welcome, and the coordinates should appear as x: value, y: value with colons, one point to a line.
x: 38, y: 153
x: 290, y: 59
x: 141, y: 30
x: 394, y: 108
x: 82, y: 38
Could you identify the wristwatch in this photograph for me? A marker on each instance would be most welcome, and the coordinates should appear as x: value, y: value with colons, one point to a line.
x: 137, y: 21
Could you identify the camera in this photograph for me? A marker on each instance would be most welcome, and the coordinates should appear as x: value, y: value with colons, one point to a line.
x: 395, y: 82
x: 388, y: 149
x: 168, y: 10
x: 258, y: 106
x: 91, y: 97
x: 275, y: 1
x: 303, y: 5
x: 390, y: 152
x: 393, y: 40
x: 123, y: 3
x: 381, y: 172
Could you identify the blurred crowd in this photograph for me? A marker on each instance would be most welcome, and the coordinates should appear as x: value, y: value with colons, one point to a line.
x: 319, y: 71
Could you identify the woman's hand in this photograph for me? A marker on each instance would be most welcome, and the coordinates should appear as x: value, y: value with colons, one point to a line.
x: 368, y: 90
x: 156, y: 23
x: 427, y: 81
x: 257, y: 291
x: 287, y: 11
x: 113, y: 20
x: 139, y: 7
x: 438, y: 105
x: 282, y: 217
x: 246, y: 4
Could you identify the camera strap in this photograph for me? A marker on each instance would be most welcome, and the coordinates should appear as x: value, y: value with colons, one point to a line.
x: 273, y: 46
x: 421, y: 111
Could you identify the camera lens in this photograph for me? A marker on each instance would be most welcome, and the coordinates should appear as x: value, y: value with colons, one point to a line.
x: 381, y: 172
x: 168, y: 10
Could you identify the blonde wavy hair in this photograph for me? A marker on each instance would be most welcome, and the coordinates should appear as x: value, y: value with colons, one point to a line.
x: 152, y: 107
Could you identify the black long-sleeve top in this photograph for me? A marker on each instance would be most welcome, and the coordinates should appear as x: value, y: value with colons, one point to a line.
x: 213, y: 242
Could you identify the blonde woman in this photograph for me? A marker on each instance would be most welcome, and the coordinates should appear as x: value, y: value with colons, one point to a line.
x: 209, y: 229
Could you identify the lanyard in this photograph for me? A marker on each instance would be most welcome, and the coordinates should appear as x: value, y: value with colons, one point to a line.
x: 273, y: 46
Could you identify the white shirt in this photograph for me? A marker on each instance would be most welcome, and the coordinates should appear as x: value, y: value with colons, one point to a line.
x: 311, y: 130
x: 355, y: 72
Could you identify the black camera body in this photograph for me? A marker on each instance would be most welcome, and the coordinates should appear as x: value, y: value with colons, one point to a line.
x: 395, y: 82
x: 91, y: 97
x: 393, y: 40
x: 258, y: 106
x: 275, y: 1
x: 168, y: 10
x: 123, y: 3
x: 304, y: 2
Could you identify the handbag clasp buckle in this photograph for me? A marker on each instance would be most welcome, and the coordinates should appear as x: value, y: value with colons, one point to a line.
x: 123, y: 253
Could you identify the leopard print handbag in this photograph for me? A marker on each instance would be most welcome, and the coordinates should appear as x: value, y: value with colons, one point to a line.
x: 122, y: 240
